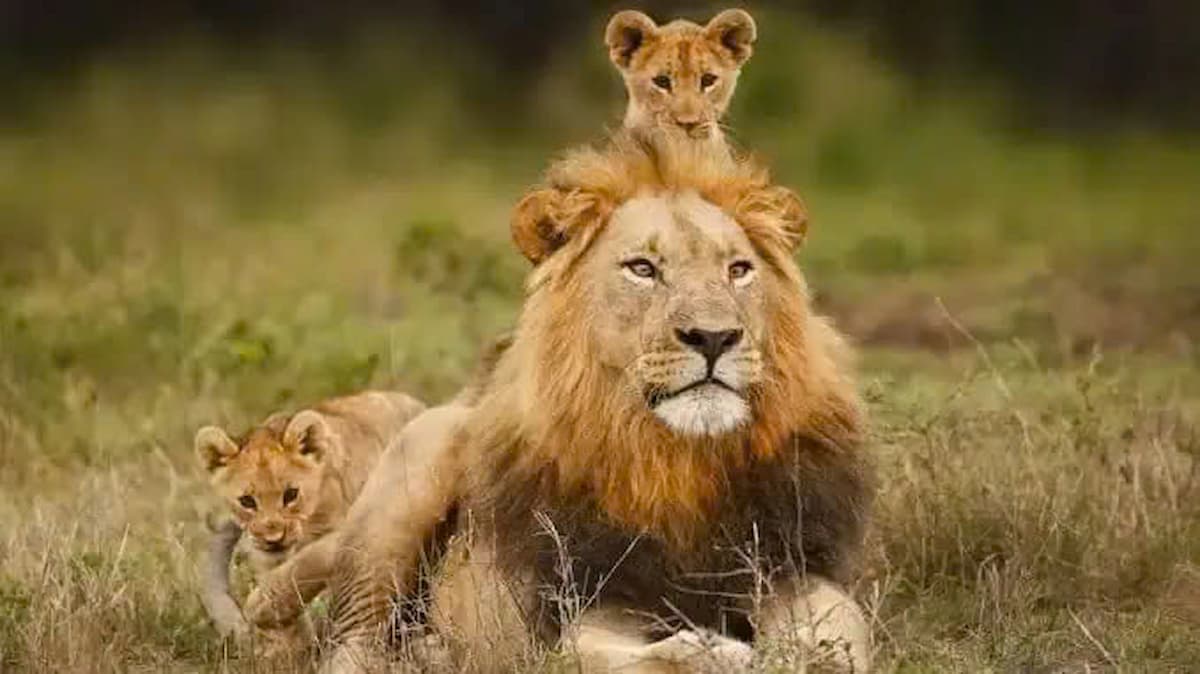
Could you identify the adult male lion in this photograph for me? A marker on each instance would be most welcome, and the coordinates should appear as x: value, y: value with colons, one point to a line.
x: 664, y: 461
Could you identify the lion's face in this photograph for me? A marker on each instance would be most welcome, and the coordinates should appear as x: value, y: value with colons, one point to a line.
x: 676, y: 301
x: 272, y: 481
x: 680, y: 75
x: 666, y: 268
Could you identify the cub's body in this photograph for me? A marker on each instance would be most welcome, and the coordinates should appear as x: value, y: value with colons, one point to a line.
x: 290, y: 481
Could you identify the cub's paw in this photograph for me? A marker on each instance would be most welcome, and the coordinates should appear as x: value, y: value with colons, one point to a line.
x: 267, y: 610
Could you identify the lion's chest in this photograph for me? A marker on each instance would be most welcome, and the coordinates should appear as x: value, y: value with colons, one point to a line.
x: 711, y: 583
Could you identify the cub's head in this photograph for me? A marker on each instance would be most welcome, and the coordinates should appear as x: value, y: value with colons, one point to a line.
x: 679, y: 75
x: 272, y: 477
x: 665, y: 283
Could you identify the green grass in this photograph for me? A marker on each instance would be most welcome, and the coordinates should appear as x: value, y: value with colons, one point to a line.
x: 200, y: 237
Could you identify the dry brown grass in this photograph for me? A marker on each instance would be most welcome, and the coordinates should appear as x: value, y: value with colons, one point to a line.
x: 1028, y: 520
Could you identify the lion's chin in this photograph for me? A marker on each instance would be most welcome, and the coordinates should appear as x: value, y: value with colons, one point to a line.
x: 704, y: 411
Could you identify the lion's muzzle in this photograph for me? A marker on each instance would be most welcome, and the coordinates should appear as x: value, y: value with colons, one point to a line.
x: 700, y: 389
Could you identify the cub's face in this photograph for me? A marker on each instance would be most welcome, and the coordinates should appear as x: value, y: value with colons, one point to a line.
x: 680, y: 76
x: 678, y: 307
x: 271, y: 480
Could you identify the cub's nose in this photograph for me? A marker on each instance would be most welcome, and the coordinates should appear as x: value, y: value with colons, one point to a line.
x: 272, y: 535
x: 711, y: 344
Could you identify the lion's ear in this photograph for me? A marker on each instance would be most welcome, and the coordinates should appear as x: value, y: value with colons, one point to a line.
x: 308, y: 435
x: 734, y: 31
x: 547, y: 218
x: 626, y: 33
x: 214, y: 448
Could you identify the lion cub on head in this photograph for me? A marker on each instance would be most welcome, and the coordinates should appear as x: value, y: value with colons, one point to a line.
x: 680, y: 75
x: 290, y: 480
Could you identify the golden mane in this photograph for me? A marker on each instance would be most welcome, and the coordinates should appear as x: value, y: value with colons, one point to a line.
x: 555, y: 418
x: 582, y: 188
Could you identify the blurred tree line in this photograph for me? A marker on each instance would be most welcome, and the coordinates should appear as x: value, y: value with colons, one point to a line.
x: 1074, y: 63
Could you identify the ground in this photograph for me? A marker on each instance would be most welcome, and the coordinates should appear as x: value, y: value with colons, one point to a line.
x: 202, y: 236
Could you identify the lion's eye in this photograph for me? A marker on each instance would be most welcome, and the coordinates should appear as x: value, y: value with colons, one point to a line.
x: 247, y: 501
x: 740, y: 271
x: 662, y: 82
x: 707, y: 80
x: 290, y: 494
x: 641, y: 268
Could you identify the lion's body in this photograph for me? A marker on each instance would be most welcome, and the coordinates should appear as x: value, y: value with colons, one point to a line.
x: 581, y: 485
x: 606, y: 497
x: 325, y: 463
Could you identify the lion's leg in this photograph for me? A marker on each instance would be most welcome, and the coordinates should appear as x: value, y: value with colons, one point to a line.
x: 819, y: 623
x: 609, y: 640
x: 282, y: 593
x: 407, y: 497
x: 477, y: 612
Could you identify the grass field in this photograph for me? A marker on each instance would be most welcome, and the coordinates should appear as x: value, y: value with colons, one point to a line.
x: 198, y: 235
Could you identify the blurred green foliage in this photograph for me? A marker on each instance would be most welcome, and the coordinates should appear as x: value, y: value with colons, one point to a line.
x: 277, y: 225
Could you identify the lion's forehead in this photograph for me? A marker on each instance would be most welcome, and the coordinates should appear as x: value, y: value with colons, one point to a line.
x: 683, y: 49
x: 681, y: 226
x: 263, y: 467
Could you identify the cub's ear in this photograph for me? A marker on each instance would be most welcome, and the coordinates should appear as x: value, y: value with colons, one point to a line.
x: 547, y: 218
x: 626, y: 33
x: 775, y: 213
x: 308, y: 435
x: 213, y: 448
x: 734, y: 31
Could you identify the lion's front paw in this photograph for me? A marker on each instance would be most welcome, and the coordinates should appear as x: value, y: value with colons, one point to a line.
x: 706, y: 651
x: 266, y: 609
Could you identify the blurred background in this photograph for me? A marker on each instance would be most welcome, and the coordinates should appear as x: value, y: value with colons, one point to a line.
x: 213, y: 210
x: 317, y: 193
x: 267, y: 201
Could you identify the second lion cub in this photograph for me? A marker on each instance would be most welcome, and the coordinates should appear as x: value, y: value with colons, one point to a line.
x: 290, y: 480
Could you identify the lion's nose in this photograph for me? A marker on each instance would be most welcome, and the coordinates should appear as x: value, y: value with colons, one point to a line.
x: 709, y: 343
x: 273, y: 534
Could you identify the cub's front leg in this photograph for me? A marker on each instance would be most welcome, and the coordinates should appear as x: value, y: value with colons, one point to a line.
x: 281, y: 594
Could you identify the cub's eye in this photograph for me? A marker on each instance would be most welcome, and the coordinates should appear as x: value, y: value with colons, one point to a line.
x: 641, y: 268
x: 247, y: 502
x: 662, y: 82
x: 707, y: 80
x: 290, y: 494
x: 740, y: 271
